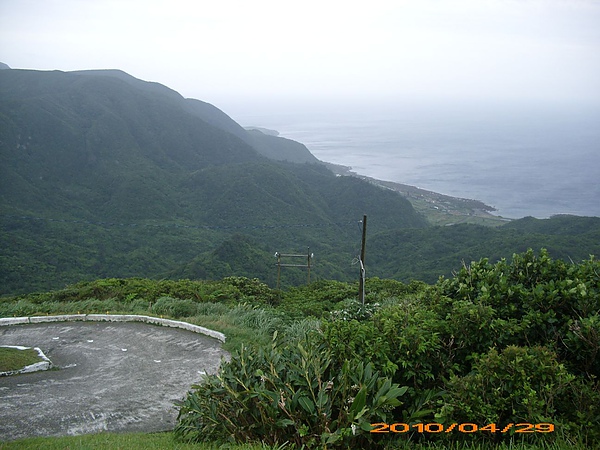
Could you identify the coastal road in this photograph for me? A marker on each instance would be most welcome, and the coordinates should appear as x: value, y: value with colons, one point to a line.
x: 111, y: 377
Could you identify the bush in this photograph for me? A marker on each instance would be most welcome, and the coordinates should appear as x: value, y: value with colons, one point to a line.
x: 413, y: 335
x: 581, y: 406
x: 289, y: 393
x: 352, y: 309
x: 354, y: 340
x: 531, y: 301
x: 582, y: 341
x: 519, y: 384
x: 316, y: 299
x: 252, y: 289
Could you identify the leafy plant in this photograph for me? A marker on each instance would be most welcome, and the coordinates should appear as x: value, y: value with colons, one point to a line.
x: 289, y: 393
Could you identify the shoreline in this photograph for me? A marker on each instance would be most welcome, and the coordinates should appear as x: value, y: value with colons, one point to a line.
x: 431, y: 204
x: 439, y: 209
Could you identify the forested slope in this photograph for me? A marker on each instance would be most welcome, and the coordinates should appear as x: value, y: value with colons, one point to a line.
x: 400, y: 254
x: 106, y: 175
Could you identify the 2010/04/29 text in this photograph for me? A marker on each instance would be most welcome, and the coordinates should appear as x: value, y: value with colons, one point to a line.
x: 462, y: 428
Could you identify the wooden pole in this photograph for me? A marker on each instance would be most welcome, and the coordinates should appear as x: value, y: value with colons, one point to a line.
x: 308, y: 264
x: 361, y: 285
x: 278, y: 268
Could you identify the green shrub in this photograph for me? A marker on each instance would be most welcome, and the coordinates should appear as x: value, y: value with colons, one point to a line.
x: 289, y: 393
x: 468, y: 328
x: 580, y: 406
x: 413, y: 335
x: 530, y: 301
x: 316, y: 299
x: 582, y: 341
x: 544, y: 293
x: 352, y: 309
x: 379, y: 289
x: 519, y: 384
x: 252, y: 290
x: 359, y: 341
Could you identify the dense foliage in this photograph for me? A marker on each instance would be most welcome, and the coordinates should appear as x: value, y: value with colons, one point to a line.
x: 425, y: 254
x: 41, y: 254
x: 497, y: 344
x: 289, y: 393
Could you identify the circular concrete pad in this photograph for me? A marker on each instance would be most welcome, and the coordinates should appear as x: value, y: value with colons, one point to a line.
x: 111, y: 377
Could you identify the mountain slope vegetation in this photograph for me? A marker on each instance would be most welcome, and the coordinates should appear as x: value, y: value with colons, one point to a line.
x: 104, y: 175
x: 107, y: 175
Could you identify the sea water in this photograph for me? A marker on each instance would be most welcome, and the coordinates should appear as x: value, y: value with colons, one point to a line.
x: 523, y: 160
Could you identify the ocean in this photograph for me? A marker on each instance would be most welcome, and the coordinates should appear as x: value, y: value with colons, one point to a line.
x: 522, y: 160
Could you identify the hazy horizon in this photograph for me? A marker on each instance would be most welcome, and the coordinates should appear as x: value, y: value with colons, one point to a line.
x: 266, y: 52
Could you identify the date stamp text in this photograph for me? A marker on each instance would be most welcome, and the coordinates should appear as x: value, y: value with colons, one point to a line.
x: 462, y: 428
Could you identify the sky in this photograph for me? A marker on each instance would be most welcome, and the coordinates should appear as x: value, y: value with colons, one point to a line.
x: 228, y: 51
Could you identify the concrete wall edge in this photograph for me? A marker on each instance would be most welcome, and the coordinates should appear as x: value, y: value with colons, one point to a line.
x: 6, y: 321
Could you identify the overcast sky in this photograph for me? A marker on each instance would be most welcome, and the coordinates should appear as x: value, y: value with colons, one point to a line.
x: 224, y: 50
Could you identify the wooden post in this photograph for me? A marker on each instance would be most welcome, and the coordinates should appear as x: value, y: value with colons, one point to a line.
x: 361, y: 285
x: 278, y: 255
x: 308, y: 263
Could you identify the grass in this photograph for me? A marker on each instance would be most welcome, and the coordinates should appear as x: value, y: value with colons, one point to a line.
x: 115, y: 441
x: 15, y: 359
x: 166, y: 441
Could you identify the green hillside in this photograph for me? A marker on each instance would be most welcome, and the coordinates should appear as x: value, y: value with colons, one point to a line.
x: 104, y: 175
x: 435, y: 251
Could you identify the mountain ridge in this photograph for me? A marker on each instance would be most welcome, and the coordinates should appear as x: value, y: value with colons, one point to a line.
x: 216, y: 117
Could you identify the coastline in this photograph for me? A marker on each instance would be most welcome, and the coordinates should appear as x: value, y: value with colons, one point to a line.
x: 439, y: 209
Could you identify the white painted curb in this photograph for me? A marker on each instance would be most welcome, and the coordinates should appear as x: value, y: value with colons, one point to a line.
x: 113, y: 318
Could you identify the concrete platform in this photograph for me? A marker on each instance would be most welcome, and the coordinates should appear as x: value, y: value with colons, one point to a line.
x: 112, y: 376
